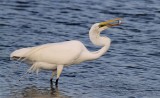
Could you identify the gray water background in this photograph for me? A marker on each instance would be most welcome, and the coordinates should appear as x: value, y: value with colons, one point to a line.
x: 130, y: 69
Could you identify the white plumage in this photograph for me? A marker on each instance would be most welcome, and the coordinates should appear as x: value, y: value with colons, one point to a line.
x: 54, y: 56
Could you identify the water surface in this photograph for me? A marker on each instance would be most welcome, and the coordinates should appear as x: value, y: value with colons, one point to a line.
x: 130, y: 69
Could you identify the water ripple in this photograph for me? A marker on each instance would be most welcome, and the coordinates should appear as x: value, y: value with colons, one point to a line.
x: 130, y: 69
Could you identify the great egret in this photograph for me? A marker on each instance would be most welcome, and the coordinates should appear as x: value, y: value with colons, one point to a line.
x: 54, y: 56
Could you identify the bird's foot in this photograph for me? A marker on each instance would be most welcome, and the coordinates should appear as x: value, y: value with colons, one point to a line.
x: 51, y: 81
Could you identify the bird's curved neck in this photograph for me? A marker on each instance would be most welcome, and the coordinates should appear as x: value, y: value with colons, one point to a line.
x: 98, y: 40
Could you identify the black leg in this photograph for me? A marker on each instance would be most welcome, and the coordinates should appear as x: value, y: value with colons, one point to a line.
x: 57, y: 82
x: 51, y: 84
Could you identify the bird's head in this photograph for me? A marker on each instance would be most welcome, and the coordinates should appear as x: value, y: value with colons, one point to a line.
x: 95, y: 30
x: 107, y: 24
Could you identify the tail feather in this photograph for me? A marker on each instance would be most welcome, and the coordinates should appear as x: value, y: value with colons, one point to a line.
x: 24, y: 53
x: 20, y: 53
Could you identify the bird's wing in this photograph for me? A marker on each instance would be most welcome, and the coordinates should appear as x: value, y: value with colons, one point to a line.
x: 56, y: 53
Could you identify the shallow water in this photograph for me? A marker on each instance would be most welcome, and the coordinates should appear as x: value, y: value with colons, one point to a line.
x: 130, y: 69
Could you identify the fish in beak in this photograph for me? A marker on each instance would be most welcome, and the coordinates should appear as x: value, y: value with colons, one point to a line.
x: 110, y: 23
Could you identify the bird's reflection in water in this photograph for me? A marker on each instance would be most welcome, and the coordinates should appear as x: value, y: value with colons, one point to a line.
x: 35, y: 92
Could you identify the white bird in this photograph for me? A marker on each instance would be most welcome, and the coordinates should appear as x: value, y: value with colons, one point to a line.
x: 54, y: 56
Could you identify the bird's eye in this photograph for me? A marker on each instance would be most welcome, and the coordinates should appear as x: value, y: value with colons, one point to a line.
x: 101, y: 26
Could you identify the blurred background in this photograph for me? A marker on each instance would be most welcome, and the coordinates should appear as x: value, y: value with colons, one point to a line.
x: 130, y: 69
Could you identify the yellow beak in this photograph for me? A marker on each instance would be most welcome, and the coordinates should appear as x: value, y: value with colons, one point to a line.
x: 110, y: 23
